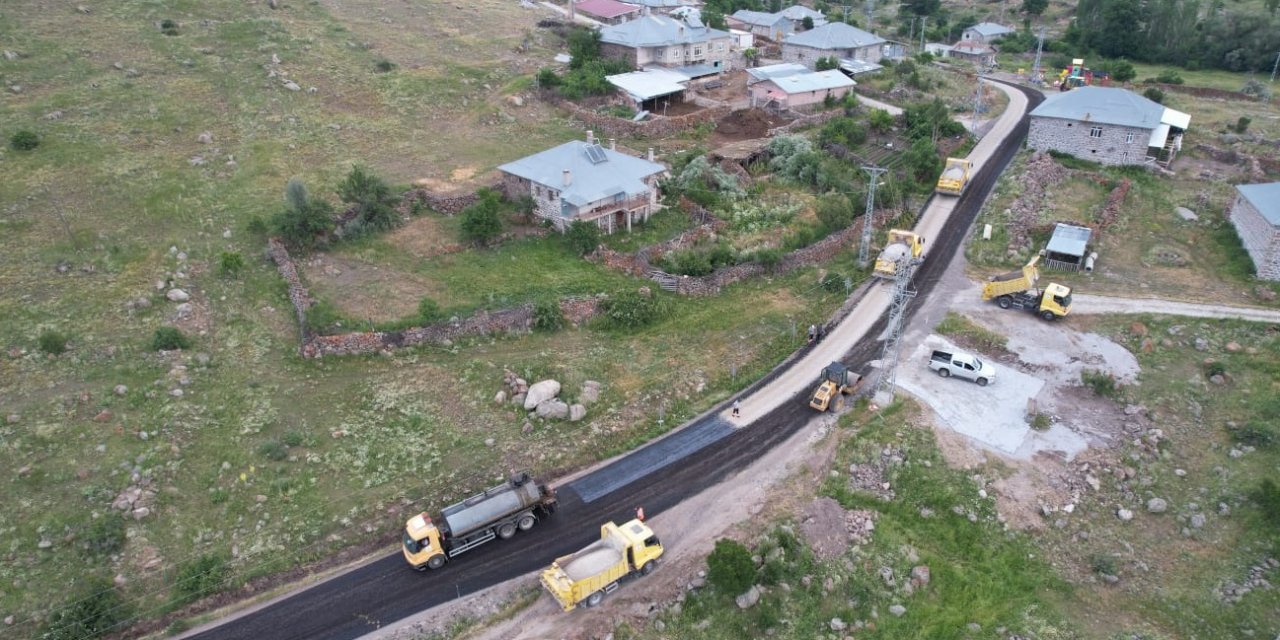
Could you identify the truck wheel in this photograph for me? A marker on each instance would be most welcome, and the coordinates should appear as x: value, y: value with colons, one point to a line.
x: 982, y: 382
x: 526, y: 522
x: 1004, y: 302
x: 436, y: 561
x: 507, y: 530
x: 594, y: 599
x: 946, y: 373
x: 838, y: 403
x: 647, y: 568
x: 1048, y: 316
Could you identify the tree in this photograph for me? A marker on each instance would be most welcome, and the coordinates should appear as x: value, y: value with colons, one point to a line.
x: 1120, y: 70
x: 372, y: 200
x: 714, y: 19
x: 923, y: 160
x: 843, y: 131
x: 880, y: 121
x: 807, y: 22
x: 582, y: 237
x: 96, y: 610
x: 1034, y: 7
x: 826, y: 64
x: 838, y: 211
x: 480, y: 221
x: 304, y: 220
x: 584, y: 46
x: 922, y: 7
x: 1121, y: 32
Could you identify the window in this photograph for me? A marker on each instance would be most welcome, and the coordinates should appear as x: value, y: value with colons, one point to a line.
x: 1095, y: 132
x: 697, y: 51
x: 1128, y: 138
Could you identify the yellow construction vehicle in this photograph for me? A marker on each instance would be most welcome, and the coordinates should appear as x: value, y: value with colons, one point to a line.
x: 1016, y: 289
x: 902, y: 245
x: 837, y: 382
x: 954, y: 178
x: 587, y: 576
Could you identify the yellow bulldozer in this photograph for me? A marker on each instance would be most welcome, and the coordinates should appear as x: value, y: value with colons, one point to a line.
x: 837, y: 382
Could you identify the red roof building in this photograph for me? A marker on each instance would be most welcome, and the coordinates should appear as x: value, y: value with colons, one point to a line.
x: 607, y: 11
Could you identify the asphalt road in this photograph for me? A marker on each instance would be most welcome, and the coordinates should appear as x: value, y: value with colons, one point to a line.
x: 386, y: 590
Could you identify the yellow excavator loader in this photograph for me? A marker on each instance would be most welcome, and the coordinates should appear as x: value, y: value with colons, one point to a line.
x: 837, y: 382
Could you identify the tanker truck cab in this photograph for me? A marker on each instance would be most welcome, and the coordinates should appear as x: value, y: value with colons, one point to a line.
x: 422, y: 546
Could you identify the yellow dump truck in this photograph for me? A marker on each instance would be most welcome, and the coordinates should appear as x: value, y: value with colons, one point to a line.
x: 902, y: 246
x: 954, y: 178
x: 587, y: 576
x: 499, y: 512
x: 1016, y: 289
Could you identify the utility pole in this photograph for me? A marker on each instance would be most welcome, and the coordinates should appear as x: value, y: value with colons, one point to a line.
x: 977, y: 104
x: 864, y: 252
x: 911, y: 37
x: 1035, y: 67
x: 902, y: 295
x: 846, y: 14
x: 1274, y: 67
x: 870, y: 8
x: 924, y: 22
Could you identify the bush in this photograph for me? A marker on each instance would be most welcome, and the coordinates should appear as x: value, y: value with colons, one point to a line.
x: 230, y: 263
x: 169, y: 27
x: 292, y: 439
x: 106, y: 535
x: 729, y: 567
x: 1267, y: 497
x: 372, y: 200
x: 582, y: 237
x: 630, y: 310
x: 201, y: 577
x: 429, y: 311
x: 1153, y: 94
x: 169, y: 339
x: 480, y: 221
x: 1101, y: 382
x: 1041, y: 422
x: 305, y: 220
x: 1102, y: 563
x: 905, y: 68
x: 547, y: 78
x: 1256, y: 434
x: 273, y: 450
x: 383, y: 65
x: 52, y: 342
x: 767, y: 258
x: 1242, y: 124
x: 24, y: 140
x: 834, y: 282
x: 95, y: 611
x: 1169, y: 77
x: 547, y: 316
x: 322, y: 317
x: 257, y: 226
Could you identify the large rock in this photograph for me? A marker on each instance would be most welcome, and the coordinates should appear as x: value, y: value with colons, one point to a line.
x: 553, y: 408
x: 540, y: 392
x: 577, y: 412
x: 920, y: 575
x: 590, y: 392
x: 1157, y: 505
x: 748, y: 599
x: 178, y: 295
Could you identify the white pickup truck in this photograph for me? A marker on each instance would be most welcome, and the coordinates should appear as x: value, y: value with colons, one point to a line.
x: 962, y: 365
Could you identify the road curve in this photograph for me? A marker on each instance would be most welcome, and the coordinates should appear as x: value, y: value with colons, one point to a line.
x: 658, y: 475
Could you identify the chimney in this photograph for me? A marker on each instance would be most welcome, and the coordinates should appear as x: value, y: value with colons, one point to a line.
x: 613, y: 144
x: 591, y: 137
x: 650, y: 154
x: 644, y: 11
x: 568, y: 177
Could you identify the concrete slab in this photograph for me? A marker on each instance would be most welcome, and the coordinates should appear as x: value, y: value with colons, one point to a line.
x: 993, y: 416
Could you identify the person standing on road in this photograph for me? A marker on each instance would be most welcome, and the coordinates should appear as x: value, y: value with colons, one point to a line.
x: 813, y: 332
x: 737, y: 409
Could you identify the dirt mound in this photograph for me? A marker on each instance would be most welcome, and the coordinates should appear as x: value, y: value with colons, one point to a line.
x: 748, y: 123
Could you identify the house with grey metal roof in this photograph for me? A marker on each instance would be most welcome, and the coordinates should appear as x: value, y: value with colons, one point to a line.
x: 796, y: 13
x: 985, y: 32
x: 834, y: 39
x: 800, y: 89
x: 584, y: 180
x: 1256, y: 216
x: 1107, y: 125
x: 668, y: 42
x: 1068, y: 247
x: 771, y: 71
x: 760, y: 23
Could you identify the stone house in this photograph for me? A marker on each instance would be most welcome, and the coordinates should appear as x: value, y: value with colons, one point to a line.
x: 769, y: 25
x: 796, y: 13
x: 985, y: 33
x: 1256, y: 216
x: 605, y: 11
x: 978, y: 53
x: 1107, y: 125
x: 789, y: 91
x: 834, y: 39
x: 668, y: 42
x: 583, y: 180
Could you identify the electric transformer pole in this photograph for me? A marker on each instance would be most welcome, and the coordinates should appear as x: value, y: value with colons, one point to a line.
x: 1035, y: 66
x: 902, y: 295
x: 977, y: 104
x: 864, y: 252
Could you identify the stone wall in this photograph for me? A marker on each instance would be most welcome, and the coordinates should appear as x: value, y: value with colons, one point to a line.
x: 804, y: 120
x: 655, y: 126
x: 446, y: 203
x: 1072, y: 137
x: 298, y: 295
x: 1260, y: 238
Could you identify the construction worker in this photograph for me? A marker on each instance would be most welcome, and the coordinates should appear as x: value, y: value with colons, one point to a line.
x: 813, y: 332
x: 640, y: 514
x: 737, y: 409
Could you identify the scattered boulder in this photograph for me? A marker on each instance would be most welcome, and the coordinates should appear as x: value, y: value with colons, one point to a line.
x: 748, y: 599
x: 103, y: 416
x: 1187, y: 214
x: 120, y: 390
x: 292, y: 86
x: 1157, y: 505
x: 577, y: 412
x: 205, y: 138
x: 500, y: 397
x: 518, y: 399
x: 590, y: 392
x: 177, y: 295
x: 553, y: 409
x: 898, y: 610
x: 541, y: 392
x: 920, y: 576
x: 1124, y: 514
x: 837, y: 624
x: 1197, y: 520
